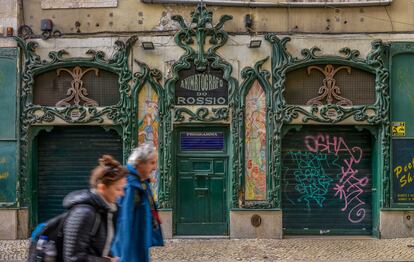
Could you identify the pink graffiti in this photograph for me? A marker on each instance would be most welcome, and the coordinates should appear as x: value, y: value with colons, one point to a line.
x: 327, y: 144
x: 349, y: 187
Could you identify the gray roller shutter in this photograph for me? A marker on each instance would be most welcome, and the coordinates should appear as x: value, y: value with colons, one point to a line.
x: 327, y: 181
x: 65, y: 158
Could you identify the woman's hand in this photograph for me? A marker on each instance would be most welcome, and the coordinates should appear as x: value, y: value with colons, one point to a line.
x: 113, y: 259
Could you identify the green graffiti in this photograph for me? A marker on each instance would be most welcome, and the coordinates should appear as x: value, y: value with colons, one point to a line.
x: 312, y: 182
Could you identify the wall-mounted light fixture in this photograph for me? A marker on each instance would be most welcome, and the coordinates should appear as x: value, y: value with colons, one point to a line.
x: 255, y: 43
x: 147, y: 45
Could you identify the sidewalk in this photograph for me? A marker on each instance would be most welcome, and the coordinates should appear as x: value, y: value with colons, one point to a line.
x: 297, y: 249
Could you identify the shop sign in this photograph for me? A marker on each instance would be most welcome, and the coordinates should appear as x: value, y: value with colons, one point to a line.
x: 403, y: 170
x: 398, y: 128
x: 201, y: 88
x: 202, y: 141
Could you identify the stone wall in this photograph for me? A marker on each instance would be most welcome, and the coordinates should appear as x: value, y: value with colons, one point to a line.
x: 8, y: 16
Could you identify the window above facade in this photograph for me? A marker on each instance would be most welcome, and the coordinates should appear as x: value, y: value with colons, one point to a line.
x: 76, y: 86
x: 330, y: 84
x: 276, y: 3
x: 336, y: 2
x: 62, y: 4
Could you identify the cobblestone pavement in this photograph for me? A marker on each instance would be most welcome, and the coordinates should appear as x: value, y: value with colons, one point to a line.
x: 13, y: 250
x: 224, y: 250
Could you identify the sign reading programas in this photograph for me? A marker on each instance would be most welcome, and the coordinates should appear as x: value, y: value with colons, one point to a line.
x: 201, y: 88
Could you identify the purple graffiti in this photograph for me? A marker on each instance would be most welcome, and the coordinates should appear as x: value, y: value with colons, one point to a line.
x: 349, y: 188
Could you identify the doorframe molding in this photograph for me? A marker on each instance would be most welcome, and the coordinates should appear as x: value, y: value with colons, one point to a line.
x: 228, y: 154
x: 377, y: 114
x: 192, y: 39
x: 33, y: 115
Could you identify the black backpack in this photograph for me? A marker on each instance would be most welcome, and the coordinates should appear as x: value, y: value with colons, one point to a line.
x: 53, y: 229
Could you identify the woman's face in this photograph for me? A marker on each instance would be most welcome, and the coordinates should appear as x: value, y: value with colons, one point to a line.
x: 145, y: 169
x: 112, y: 192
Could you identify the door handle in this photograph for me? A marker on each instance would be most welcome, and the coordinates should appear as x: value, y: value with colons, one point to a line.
x: 201, y: 189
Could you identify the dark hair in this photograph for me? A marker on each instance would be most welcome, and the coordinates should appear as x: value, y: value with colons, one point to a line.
x: 108, y: 172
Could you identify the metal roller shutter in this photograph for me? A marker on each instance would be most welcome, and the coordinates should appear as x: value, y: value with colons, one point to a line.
x: 66, y: 157
x: 327, y: 181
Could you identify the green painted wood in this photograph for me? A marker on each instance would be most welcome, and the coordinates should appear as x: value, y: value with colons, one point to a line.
x: 200, y: 39
x: 377, y: 114
x: 8, y: 173
x: 31, y: 114
x: 65, y: 158
x: 402, y: 92
x: 402, y: 101
x: 252, y: 74
x: 8, y: 94
x: 327, y: 182
x: 376, y: 183
x: 201, y: 193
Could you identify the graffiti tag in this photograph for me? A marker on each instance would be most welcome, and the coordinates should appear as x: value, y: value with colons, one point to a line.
x: 312, y: 182
x: 349, y: 188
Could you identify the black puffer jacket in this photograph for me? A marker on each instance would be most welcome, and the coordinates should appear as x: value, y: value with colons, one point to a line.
x: 78, y: 244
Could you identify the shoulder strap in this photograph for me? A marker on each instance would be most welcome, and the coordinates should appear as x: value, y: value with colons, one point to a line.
x: 97, y: 222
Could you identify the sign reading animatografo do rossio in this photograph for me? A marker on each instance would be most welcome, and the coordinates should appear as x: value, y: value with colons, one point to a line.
x: 201, y: 88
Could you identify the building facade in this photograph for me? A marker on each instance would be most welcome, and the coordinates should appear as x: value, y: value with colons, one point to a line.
x: 271, y: 118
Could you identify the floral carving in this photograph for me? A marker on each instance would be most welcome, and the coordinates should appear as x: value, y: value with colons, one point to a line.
x: 329, y: 90
x: 77, y: 92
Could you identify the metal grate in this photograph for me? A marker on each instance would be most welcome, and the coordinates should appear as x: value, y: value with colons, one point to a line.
x: 314, y: 169
x: 65, y: 158
x: 358, y: 86
x: 49, y: 88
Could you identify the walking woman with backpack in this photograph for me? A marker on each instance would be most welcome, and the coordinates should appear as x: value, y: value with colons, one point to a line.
x: 90, y: 225
x: 138, y: 226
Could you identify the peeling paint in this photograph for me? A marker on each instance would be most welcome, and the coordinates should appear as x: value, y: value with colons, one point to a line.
x: 166, y: 23
x: 168, y: 68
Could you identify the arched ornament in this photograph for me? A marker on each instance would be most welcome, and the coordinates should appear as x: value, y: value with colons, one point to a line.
x: 32, y: 114
x: 252, y: 75
x: 147, y: 81
x: 192, y: 39
x: 376, y: 114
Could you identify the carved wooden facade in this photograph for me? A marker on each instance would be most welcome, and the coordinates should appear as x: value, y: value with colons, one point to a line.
x: 326, y: 107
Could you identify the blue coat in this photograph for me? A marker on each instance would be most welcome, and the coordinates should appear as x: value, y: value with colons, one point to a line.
x: 136, y: 231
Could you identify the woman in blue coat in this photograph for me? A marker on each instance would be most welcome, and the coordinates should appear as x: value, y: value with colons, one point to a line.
x: 138, y: 226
